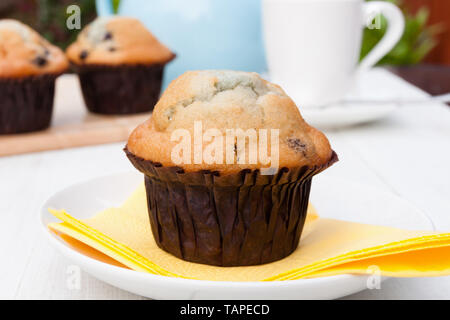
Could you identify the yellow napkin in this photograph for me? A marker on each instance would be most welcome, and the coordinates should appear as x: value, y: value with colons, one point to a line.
x: 122, y: 236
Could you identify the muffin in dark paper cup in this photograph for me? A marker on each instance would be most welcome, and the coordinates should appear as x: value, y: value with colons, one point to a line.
x: 120, y: 89
x: 120, y: 65
x: 227, y: 214
x: 29, y: 67
x: 234, y: 220
x: 27, y: 103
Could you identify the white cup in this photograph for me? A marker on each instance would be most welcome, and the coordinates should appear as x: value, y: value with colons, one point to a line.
x: 313, y: 46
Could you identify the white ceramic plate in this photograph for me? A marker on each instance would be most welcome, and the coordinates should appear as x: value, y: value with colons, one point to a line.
x: 346, y: 114
x: 337, y: 199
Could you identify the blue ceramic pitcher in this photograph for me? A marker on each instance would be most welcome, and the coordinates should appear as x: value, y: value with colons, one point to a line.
x: 205, y: 34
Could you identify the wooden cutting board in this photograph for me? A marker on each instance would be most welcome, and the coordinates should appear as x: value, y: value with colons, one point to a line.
x: 72, y: 125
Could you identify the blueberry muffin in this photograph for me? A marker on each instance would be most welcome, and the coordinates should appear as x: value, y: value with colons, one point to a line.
x: 120, y: 65
x: 235, y: 210
x: 29, y: 66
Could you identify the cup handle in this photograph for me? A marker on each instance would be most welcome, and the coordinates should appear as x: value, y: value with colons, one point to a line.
x: 395, y: 28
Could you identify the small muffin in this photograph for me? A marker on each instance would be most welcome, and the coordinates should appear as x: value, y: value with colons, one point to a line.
x: 120, y: 65
x: 29, y: 66
x: 238, y: 211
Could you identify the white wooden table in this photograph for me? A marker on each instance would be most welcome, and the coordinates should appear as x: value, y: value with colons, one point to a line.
x: 407, y: 153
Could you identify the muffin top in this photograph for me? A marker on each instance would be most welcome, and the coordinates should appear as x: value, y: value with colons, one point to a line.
x: 117, y: 40
x: 23, y: 52
x: 223, y: 101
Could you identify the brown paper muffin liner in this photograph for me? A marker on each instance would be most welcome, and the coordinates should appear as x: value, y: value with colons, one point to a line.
x: 125, y: 89
x: 232, y: 220
x: 26, y: 104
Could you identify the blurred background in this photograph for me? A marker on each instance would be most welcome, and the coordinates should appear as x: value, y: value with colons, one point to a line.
x: 423, y: 52
x: 426, y: 38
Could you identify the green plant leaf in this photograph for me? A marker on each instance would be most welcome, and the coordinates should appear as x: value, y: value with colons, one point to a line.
x: 116, y: 4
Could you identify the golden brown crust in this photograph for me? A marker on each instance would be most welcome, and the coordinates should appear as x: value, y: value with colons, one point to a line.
x: 23, y: 52
x: 228, y: 100
x: 117, y: 40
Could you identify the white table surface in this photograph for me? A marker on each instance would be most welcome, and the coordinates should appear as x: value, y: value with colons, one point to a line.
x: 407, y: 154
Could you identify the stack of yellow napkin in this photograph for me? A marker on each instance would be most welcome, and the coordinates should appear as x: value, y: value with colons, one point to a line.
x: 122, y: 236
